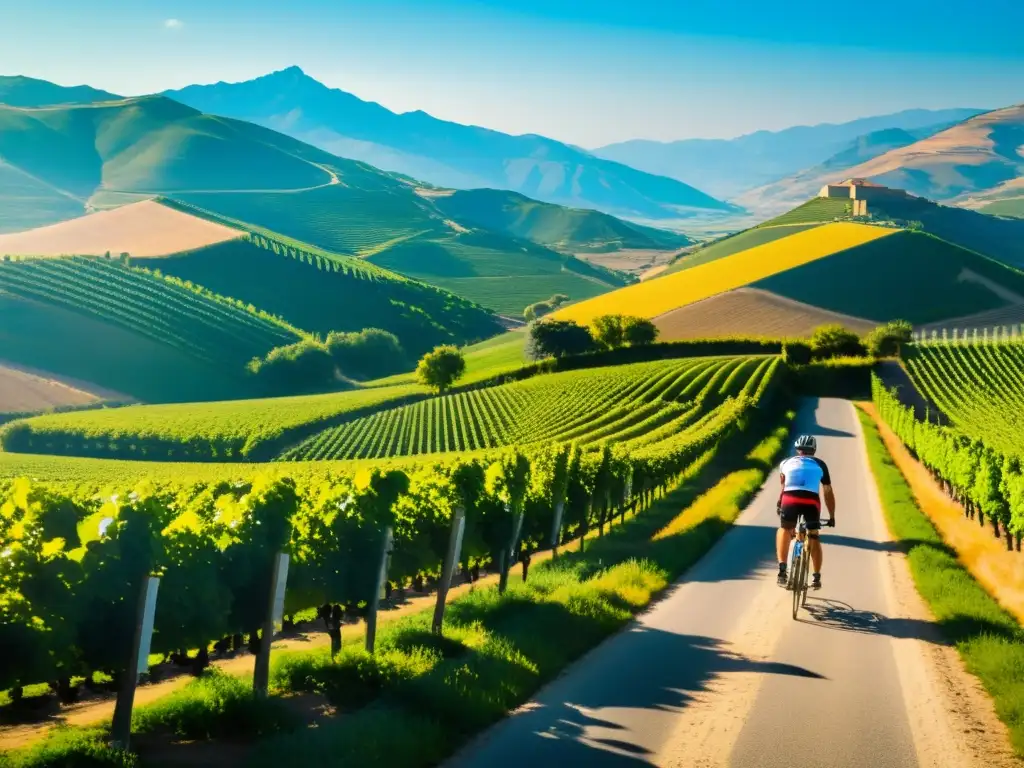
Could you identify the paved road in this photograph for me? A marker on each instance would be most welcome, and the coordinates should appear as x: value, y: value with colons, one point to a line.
x: 718, y: 673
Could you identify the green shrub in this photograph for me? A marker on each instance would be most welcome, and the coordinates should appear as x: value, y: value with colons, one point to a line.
x: 888, y: 340
x: 367, y: 354
x: 835, y: 341
x: 299, y: 368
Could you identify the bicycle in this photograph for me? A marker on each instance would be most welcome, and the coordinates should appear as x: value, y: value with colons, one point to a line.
x: 800, y: 564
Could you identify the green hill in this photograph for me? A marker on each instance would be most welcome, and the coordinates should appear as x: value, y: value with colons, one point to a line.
x: 328, y: 292
x: 128, y: 330
x: 59, y: 160
x: 400, y: 231
x: 914, y: 276
x: 20, y: 91
x: 573, y: 230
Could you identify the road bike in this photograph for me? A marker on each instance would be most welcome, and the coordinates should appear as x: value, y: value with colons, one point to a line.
x: 800, y: 564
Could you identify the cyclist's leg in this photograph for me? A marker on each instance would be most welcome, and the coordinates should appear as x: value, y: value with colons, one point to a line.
x: 784, y: 536
x: 813, y: 518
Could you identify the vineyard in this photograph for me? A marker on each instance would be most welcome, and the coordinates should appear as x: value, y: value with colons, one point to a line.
x: 632, y: 405
x: 188, y: 319
x: 496, y: 271
x: 978, y: 386
x: 219, y: 431
x: 974, y: 468
x: 75, y: 561
x: 328, y: 292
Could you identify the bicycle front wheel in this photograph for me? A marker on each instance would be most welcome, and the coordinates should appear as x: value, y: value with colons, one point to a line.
x: 797, y: 577
x: 805, y: 567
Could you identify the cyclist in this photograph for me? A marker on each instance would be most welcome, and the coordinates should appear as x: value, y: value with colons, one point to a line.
x: 802, y: 477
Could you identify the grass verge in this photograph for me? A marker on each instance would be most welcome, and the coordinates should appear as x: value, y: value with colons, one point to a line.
x: 989, y: 640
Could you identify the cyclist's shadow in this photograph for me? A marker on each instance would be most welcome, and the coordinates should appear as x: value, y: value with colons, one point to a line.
x: 835, y: 614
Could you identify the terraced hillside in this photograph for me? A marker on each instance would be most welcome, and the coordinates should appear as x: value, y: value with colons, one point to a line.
x: 860, y: 271
x: 403, y: 232
x: 215, y: 333
x: 911, y: 275
x: 663, y: 294
x: 326, y: 291
x: 978, y: 386
x: 633, y: 405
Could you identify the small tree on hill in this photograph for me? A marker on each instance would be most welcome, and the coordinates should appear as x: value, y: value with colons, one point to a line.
x: 441, y: 368
x: 835, y: 341
x: 888, y: 340
x: 558, y: 338
x: 638, y: 331
x: 608, y: 330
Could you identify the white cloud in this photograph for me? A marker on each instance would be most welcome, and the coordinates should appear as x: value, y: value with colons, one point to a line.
x: 173, y: 24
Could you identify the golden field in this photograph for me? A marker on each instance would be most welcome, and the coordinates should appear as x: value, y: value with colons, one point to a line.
x: 655, y: 297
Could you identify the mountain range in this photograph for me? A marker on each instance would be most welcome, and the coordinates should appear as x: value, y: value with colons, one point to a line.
x: 444, y: 153
x: 727, y: 167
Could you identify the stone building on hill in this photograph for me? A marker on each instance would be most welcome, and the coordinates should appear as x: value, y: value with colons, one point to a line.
x: 859, y: 192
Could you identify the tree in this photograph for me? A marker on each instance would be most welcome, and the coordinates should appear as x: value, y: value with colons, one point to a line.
x: 441, y: 368
x: 538, y: 309
x: 638, y: 331
x: 888, y: 340
x: 608, y: 330
x: 835, y: 341
x: 558, y: 338
x: 305, y: 366
x: 367, y: 354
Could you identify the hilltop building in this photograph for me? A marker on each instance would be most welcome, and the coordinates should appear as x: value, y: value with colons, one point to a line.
x: 860, y: 191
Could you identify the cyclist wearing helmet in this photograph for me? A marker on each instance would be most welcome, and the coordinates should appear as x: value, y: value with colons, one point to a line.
x: 803, y: 476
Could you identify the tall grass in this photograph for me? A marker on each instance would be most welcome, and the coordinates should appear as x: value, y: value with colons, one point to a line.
x: 989, y: 640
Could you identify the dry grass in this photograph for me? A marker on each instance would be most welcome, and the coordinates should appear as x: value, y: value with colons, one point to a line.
x: 637, y: 261
x: 144, y: 229
x: 652, y: 298
x: 751, y: 312
x: 24, y: 390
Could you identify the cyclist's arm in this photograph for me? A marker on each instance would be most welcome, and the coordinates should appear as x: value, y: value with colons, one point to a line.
x: 830, y: 500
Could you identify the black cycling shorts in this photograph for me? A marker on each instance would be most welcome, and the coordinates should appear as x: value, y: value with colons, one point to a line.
x: 792, y: 505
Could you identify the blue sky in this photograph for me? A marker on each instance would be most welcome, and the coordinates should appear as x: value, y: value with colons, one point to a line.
x: 588, y: 72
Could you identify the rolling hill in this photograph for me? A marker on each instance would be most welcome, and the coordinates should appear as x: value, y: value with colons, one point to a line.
x: 445, y: 153
x: 727, y: 167
x: 571, y: 230
x: 310, y: 287
x: 978, y: 158
x: 787, y: 192
x: 21, y: 91
x: 58, y: 161
x: 997, y: 238
x: 868, y: 274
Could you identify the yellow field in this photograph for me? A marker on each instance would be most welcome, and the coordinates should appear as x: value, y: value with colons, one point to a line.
x: 655, y: 297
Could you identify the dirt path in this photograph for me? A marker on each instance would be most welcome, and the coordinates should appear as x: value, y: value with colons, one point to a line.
x: 98, y: 710
x: 718, y: 673
x: 1000, y: 572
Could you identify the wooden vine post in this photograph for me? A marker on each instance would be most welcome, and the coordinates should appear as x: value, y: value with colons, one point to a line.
x: 138, y: 662
x: 387, y: 546
x: 275, y: 612
x: 451, y: 558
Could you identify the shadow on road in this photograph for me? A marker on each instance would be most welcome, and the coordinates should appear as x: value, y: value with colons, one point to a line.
x: 651, y: 671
